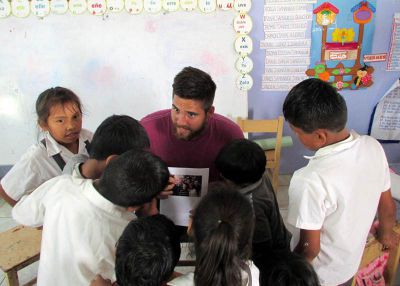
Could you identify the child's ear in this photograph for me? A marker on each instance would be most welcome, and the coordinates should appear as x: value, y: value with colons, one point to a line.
x: 109, y: 158
x: 43, y: 125
x: 321, y: 137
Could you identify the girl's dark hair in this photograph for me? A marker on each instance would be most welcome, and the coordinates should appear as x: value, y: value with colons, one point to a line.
x: 223, y: 229
x: 51, y: 97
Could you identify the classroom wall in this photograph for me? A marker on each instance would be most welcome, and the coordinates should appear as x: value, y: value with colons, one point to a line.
x: 360, y: 103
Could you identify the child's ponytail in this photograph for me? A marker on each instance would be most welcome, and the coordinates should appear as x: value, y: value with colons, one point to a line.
x: 222, y: 227
x: 217, y: 262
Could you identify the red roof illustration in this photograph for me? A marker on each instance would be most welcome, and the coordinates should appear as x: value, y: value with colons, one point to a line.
x: 326, y: 6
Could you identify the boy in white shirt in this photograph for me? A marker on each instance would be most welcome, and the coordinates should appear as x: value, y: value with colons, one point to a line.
x: 83, y: 219
x: 333, y: 200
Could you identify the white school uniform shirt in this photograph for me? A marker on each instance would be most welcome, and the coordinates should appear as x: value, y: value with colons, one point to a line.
x: 80, y: 230
x: 37, y: 165
x: 338, y: 192
x: 188, y: 278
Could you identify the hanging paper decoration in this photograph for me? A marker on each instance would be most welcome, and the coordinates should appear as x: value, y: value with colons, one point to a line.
x: 225, y: 4
x: 5, y: 8
x: 97, y: 7
x: 58, y: 6
x: 207, y: 6
x: 115, y: 5
x: 77, y: 6
x: 171, y: 5
x: 152, y: 6
x: 242, y: 23
x: 243, y: 6
x: 188, y: 5
x: 341, y: 35
x: 244, y: 65
x: 40, y: 8
x: 20, y: 8
x: 134, y: 6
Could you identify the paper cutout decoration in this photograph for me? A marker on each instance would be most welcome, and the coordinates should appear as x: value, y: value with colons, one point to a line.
x: 40, y: 8
x: 243, y: 45
x: 386, y: 118
x: 244, y: 82
x: 207, y: 6
x: 115, y: 5
x: 77, y: 6
x: 244, y: 65
x: 171, y: 5
x: 242, y: 23
x: 58, y: 6
x: 188, y: 5
x: 134, y: 6
x: 393, y: 63
x: 344, y: 47
x: 96, y: 7
x: 152, y: 6
x: 5, y: 8
x: 243, y: 6
x: 20, y: 8
x: 225, y: 4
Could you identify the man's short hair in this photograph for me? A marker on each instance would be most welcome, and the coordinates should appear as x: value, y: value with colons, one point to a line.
x: 147, y: 252
x: 133, y: 178
x: 314, y: 104
x: 241, y: 161
x: 193, y: 83
x: 116, y: 135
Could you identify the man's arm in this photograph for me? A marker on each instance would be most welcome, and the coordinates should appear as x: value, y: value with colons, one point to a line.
x: 387, y: 220
x: 6, y: 197
x: 309, y: 244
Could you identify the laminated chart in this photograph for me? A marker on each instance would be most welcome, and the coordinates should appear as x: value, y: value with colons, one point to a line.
x: 287, y: 43
x: 393, y: 63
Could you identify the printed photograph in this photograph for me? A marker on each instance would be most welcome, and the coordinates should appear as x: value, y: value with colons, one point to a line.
x: 188, y: 185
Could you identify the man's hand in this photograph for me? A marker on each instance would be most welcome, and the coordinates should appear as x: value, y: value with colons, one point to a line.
x: 168, y: 189
x: 100, y: 281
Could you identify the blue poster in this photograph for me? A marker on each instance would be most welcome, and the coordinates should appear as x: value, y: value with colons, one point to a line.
x: 342, y: 34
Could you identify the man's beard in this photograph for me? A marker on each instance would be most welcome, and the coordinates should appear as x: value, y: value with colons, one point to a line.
x: 192, y: 133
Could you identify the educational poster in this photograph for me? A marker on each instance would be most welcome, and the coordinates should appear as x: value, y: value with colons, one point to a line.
x: 393, y: 63
x: 342, y: 34
x: 191, y: 186
x: 287, y: 42
x: 386, y: 120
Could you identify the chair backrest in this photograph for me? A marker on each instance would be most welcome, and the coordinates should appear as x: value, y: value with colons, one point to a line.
x: 373, y: 250
x: 274, y: 155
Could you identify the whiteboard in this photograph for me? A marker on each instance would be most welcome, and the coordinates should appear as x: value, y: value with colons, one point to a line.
x: 116, y: 63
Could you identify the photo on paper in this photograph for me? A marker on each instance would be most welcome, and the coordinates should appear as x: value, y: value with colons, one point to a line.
x: 191, y: 185
x: 187, y: 185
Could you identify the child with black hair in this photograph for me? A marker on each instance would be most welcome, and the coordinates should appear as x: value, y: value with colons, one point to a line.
x: 147, y: 253
x: 242, y: 162
x: 285, y: 268
x: 83, y: 219
x: 222, y: 229
x: 114, y: 136
x: 59, y: 113
x: 333, y: 200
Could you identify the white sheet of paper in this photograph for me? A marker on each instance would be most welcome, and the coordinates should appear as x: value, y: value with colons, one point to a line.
x: 280, y: 61
x: 280, y: 2
x: 386, y: 121
x: 279, y: 26
x: 277, y: 85
x: 299, y: 16
x: 284, y: 77
x: 295, y: 70
x: 280, y: 44
x: 270, y: 8
x: 187, y: 194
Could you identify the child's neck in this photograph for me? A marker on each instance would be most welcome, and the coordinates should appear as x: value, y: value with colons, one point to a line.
x: 336, y: 137
x: 73, y: 147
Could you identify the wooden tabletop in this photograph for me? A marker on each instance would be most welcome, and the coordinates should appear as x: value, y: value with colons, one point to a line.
x: 18, y: 245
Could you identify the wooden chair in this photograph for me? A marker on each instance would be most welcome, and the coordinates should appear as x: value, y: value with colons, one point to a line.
x: 19, y: 247
x: 274, y: 155
x: 373, y: 249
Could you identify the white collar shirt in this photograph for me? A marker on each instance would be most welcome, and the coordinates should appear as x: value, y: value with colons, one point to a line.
x: 37, y: 165
x: 80, y: 230
x: 338, y: 193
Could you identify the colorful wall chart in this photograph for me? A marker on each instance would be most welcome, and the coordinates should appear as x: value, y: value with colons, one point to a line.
x: 342, y: 34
